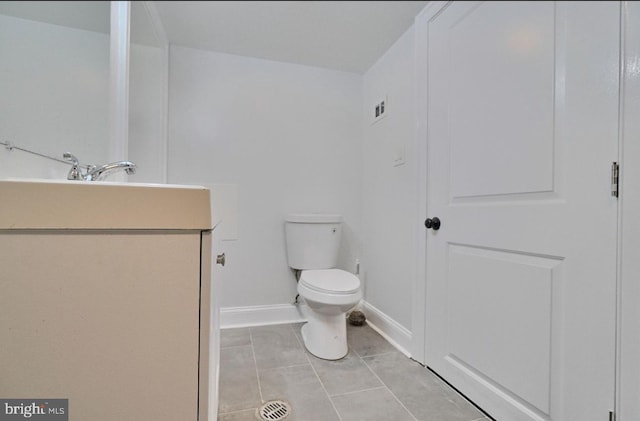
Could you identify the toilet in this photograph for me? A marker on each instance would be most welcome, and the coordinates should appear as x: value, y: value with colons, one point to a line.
x: 312, y: 242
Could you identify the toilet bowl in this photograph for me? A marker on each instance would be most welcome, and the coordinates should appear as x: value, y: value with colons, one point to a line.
x: 313, y: 242
x: 329, y: 294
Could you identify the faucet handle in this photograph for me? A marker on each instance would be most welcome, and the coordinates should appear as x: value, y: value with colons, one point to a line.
x: 68, y: 156
x: 74, y: 172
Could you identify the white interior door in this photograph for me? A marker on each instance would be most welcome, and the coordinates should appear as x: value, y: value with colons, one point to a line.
x: 521, y: 276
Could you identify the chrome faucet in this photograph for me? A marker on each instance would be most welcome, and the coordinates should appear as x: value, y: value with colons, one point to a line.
x: 100, y: 173
x: 95, y: 173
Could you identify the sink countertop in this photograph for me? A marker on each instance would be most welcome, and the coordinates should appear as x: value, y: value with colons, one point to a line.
x: 62, y: 204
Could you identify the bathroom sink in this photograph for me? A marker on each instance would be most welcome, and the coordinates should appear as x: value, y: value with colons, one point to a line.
x: 62, y: 204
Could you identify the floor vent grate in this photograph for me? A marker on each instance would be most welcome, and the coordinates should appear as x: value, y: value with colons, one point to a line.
x: 274, y: 411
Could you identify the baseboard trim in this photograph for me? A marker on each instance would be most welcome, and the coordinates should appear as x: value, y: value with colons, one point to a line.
x: 397, y: 335
x: 231, y: 317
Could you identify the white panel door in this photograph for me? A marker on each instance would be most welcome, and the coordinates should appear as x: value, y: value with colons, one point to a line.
x: 521, y: 276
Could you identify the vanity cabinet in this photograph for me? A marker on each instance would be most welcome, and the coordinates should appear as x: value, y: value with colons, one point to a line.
x: 105, y: 298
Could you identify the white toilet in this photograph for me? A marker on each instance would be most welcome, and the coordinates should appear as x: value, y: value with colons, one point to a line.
x: 313, y: 241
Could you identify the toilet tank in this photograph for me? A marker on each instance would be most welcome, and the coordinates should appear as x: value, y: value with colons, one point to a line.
x: 312, y: 240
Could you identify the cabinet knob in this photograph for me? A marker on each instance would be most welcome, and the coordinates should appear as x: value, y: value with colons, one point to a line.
x: 220, y: 259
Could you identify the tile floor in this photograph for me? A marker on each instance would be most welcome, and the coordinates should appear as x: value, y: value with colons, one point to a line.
x: 373, y: 382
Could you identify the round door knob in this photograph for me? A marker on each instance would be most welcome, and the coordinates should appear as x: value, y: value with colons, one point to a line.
x: 433, y: 223
x: 220, y: 259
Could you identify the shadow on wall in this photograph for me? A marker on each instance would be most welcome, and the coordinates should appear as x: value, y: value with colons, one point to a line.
x: 349, y: 250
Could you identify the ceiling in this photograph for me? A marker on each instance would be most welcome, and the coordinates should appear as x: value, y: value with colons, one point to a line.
x: 343, y: 35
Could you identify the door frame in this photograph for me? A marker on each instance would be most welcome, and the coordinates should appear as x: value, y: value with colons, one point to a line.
x: 628, y: 323
x: 421, y: 68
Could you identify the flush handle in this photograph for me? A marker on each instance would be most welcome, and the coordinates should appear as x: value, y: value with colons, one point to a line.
x: 220, y: 259
x: 434, y: 223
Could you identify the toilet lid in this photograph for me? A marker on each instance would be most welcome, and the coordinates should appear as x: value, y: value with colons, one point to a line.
x: 330, y: 280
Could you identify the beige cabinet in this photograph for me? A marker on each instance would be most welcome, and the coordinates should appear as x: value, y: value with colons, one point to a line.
x: 111, y: 313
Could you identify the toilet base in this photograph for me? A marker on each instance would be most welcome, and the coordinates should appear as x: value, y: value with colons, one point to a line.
x: 325, y: 336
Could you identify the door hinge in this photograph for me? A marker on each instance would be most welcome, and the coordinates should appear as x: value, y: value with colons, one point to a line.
x: 615, y: 177
x: 612, y: 416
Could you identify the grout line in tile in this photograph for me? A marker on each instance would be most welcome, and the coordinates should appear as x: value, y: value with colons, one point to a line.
x: 241, y: 410
x: 285, y: 366
x: 354, y: 351
x: 317, y: 376
x: 233, y: 346
x: 255, y: 361
x: 324, y: 388
x: 359, y: 391
x: 295, y: 334
x: 387, y: 387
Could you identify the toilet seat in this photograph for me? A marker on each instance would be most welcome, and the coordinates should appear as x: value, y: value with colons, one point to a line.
x: 330, y: 281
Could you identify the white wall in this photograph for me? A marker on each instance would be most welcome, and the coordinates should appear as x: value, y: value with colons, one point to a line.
x: 53, y: 96
x: 146, y: 113
x: 284, y: 138
x: 389, y: 200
